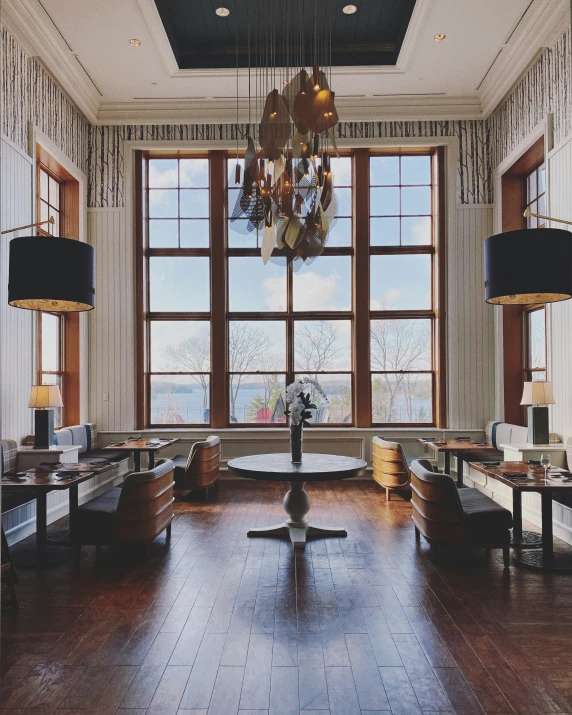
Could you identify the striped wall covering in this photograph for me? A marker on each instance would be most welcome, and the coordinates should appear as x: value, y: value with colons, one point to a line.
x: 29, y: 93
x: 106, y: 181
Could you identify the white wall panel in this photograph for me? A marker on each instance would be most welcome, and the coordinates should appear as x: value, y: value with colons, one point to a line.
x: 470, y: 322
x: 112, y: 323
x: 16, y: 325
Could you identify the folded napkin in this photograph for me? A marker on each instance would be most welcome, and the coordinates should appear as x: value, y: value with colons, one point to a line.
x: 515, y: 475
x: 116, y: 444
x: 463, y: 439
x: 491, y: 464
x: 480, y: 444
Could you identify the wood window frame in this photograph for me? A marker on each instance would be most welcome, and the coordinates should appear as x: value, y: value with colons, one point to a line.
x: 359, y: 314
x: 514, y: 202
x: 70, y: 228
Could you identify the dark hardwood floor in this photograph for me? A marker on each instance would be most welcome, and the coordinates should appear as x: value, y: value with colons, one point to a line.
x: 220, y: 624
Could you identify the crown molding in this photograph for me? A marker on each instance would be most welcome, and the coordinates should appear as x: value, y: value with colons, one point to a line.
x: 33, y: 28
x: 159, y: 34
x: 416, y: 26
x: 540, y: 26
x: 350, y: 109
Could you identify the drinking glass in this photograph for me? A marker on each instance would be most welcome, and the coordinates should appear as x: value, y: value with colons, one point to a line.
x: 545, y: 462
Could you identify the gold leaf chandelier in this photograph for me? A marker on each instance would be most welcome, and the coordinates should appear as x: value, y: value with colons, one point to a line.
x: 286, y: 190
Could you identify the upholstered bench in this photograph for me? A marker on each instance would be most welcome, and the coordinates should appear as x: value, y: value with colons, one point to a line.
x: 137, y: 512
x: 445, y: 515
x: 11, y: 498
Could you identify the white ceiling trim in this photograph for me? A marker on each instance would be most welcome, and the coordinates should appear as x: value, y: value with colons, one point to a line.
x: 32, y: 26
x: 159, y: 35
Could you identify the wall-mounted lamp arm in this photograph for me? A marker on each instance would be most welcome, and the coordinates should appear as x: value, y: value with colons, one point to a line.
x: 528, y: 213
x: 50, y: 220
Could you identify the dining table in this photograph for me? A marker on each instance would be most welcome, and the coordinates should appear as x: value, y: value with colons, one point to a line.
x: 456, y: 446
x: 313, y: 468
x: 523, y: 477
x: 138, y: 445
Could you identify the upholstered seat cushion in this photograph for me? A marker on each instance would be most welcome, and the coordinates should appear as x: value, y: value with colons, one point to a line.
x: 482, y: 514
x: 92, y: 523
x: 103, y: 454
x: 180, y: 462
x: 484, y: 456
x: 12, y: 498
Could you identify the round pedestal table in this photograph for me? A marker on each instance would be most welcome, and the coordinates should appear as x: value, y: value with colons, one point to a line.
x: 313, y: 468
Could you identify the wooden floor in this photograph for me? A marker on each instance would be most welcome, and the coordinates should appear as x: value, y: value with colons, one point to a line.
x: 219, y: 624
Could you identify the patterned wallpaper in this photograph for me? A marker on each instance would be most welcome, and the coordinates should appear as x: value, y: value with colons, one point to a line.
x: 29, y: 93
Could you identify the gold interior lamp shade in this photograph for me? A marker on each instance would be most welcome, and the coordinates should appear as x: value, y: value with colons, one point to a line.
x: 528, y: 266
x: 537, y: 393
x: 43, y: 396
x: 51, y: 274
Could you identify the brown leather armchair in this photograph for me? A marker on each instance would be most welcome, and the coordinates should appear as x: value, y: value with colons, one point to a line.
x: 446, y: 515
x: 138, y: 511
x: 201, y: 469
x: 390, y: 465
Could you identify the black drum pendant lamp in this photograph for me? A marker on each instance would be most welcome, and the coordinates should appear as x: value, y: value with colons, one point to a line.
x: 52, y: 274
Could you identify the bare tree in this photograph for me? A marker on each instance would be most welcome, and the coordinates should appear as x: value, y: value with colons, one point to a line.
x: 316, y: 346
x: 398, y: 346
x: 193, y: 355
x: 247, y: 346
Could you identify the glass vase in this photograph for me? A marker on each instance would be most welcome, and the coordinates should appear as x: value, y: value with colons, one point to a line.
x: 296, y: 443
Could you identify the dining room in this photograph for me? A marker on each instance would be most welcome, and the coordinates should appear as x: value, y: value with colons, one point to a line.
x: 285, y: 388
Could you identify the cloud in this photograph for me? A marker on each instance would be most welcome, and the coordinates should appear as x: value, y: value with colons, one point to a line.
x: 274, y: 289
x: 388, y: 300
x: 420, y: 231
x: 311, y: 290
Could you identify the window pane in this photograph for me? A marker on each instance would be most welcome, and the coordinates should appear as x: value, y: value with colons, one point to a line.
x: 532, y: 221
x: 55, y: 227
x: 50, y: 342
x: 344, y: 197
x: 257, y: 399
x: 532, y: 191
x: 400, y: 282
x: 180, y: 346
x: 337, y: 409
x: 163, y: 234
x: 163, y: 203
x: 324, y: 285
x: 194, y: 172
x: 322, y: 345
x: 402, y: 398
x: 537, y: 338
x: 54, y: 193
x: 163, y: 173
x: 416, y: 170
x: 195, y: 234
x: 537, y: 376
x: 257, y: 346
x: 179, y: 284
x: 384, y: 202
x: 542, y: 207
x: 401, y: 344
x: 194, y: 203
x: 384, y: 170
x: 240, y: 237
x: 341, y: 233
x: 416, y: 200
x: 342, y: 171
x: 44, y: 213
x: 44, y: 184
x: 384, y: 231
x: 541, y: 179
x: 256, y: 287
x: 416, y: 231
x: 180, y: 399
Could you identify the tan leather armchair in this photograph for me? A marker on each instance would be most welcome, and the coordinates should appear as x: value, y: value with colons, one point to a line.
x: 390, y: 466
x: 201, y: 469
x: 445, y: 515
x: 138, y: 511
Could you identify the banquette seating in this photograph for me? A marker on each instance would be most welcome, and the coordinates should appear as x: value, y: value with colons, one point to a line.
x: 447, y: 516
x: 498, y: 433
x: 85, y: 437
x: 136, y: 512
x: 201, y: 469
x: 390, y: 465
x: 9, y: 463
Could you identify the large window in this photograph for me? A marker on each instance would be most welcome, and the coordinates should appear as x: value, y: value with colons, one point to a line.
x: 222, y: 333
x: 535, y: 344
x: 50, y: 340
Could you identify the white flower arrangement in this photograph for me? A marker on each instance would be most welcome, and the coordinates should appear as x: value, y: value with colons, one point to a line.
x: 298, y: 402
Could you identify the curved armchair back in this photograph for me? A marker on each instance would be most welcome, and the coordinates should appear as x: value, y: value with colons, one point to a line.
x: 437, y: 510
x: 390, y: 468
x: 203, y: 464
x: 145, y: 506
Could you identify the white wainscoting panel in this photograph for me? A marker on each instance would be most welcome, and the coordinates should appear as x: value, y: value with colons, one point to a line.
x: 470, y: 340
x: 560, y: 314
x: 112, y: 323
x: 16, y: 325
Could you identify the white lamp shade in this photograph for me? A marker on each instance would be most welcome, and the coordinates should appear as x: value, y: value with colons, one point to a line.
x: 45, y: 396
x: 537, y: 393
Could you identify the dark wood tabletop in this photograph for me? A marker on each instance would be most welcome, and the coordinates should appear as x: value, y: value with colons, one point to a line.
x: 141, y: 445
x: 456, y: 445
x: 534, y: 482
x: 313, y: 468
x: 47, y: 479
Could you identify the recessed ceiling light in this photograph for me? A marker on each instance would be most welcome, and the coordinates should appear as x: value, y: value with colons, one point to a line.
x: 134, y: 42
x: 440, y: 37
x: 349, y: 9
x: 222, y: 11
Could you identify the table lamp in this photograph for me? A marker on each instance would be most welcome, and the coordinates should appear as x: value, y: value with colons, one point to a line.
x: 536, y: 395
x: 42, y: 399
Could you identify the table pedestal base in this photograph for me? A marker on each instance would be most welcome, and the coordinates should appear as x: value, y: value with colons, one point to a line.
x: 526, y: 540
x: 297, y: 505
x: 537, y: 560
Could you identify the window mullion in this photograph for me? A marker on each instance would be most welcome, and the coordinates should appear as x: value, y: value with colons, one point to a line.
x: 218, y: 287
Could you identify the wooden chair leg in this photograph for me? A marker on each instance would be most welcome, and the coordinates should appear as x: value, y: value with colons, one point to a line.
x: 206, y: 493
x: 417, y: 536
x: 169, y: 530
x: 506, y: 555
x: 387, y: 493
x: 433, y: 550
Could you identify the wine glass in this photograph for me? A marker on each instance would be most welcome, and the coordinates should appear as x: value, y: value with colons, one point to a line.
x: 545, y: 462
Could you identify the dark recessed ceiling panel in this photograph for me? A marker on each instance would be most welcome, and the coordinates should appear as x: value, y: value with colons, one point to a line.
x: 201, y: 39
